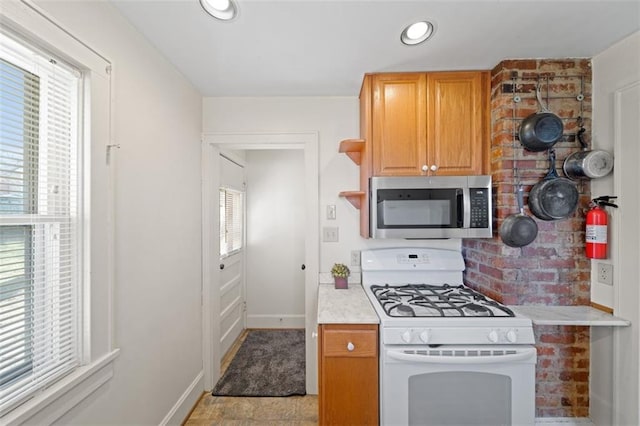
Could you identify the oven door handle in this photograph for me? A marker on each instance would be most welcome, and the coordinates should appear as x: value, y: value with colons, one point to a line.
x: 438, y: 359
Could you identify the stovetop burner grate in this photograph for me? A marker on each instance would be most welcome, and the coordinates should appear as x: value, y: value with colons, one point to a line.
x: 426, y: 300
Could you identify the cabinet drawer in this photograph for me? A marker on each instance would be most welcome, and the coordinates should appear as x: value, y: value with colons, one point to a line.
x: 350, y: 343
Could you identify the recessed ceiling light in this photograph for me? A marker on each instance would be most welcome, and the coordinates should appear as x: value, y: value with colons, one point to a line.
x: 417, y: 32
x: 220, y: 9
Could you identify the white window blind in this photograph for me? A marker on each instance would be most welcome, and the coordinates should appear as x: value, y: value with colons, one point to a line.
x: 231, y: 221
x: 40, y: 211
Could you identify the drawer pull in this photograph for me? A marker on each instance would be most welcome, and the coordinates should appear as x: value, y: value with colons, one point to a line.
x: 350, y: 347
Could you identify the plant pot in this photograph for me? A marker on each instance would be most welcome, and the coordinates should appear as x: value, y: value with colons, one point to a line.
x: 341, y: 282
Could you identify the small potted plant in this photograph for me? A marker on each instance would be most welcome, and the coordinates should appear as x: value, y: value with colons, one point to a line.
x: 340, y: 273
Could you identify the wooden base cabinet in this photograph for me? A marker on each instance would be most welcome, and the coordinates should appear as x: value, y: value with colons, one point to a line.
x: 348, y: 374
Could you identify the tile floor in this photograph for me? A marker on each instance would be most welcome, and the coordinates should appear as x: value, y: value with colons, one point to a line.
x: 222, y: 410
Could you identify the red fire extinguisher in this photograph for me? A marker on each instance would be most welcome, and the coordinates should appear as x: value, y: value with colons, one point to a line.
x: 596, y: 232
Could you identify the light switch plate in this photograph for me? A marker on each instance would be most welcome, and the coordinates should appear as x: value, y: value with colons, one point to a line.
x: 331, y: 212
x: 330, y: 234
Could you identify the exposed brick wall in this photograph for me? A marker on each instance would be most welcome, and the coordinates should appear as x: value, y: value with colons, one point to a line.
x: 562, y: 372
x: 552, y: 270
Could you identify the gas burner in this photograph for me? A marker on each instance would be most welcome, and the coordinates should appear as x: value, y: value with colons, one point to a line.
x: 477, y: 310
x: 404, y: 311
x: 428, y: 300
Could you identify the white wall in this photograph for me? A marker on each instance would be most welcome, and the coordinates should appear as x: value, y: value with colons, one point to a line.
x: 614, y: 386
x: 335, y: 118
x: 614, y: 68
x: 157, y: 322
x: 275, y: 238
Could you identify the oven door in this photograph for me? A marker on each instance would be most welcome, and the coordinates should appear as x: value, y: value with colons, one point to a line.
x: 458, y: 385
x: 417, y: 211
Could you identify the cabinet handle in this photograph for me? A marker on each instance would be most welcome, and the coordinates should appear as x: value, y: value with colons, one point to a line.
x: 425, y: 168
x: 434, y: 168
x: 350, y: 347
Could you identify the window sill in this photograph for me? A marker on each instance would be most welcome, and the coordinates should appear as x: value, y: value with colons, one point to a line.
x: 54, y: 402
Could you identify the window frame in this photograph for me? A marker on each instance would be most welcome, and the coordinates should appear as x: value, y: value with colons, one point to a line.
x: 54, y: 219
x: 35, y: 25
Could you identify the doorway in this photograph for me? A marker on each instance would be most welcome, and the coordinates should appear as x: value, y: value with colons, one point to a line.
x: 307, y: 143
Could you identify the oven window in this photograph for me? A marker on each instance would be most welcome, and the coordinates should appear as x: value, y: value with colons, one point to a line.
x: 460, y: 398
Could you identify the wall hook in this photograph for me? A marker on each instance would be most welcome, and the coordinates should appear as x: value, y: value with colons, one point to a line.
x: 109, y: 148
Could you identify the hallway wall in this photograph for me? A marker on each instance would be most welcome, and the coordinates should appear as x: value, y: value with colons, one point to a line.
x: 156, y: 295
x: 275, y: 238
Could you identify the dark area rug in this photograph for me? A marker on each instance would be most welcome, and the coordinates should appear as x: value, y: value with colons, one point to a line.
x: 268, y: 363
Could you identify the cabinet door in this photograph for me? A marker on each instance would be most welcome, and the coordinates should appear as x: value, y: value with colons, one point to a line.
x: 399, y: 128
x: 348, y: 374
x: 456, y: 129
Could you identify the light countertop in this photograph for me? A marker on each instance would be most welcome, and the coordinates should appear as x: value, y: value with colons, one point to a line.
x: 568, y: 315
x: 344, y: 306
x: 351, y: 306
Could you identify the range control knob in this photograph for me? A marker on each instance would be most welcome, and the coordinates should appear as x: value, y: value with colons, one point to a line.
x: 406, y: 336
x: 424, y: 336
x: 493, y: 336
x: 512, y: 336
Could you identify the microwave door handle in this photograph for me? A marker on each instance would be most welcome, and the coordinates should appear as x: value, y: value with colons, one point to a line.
x: 466, y: 207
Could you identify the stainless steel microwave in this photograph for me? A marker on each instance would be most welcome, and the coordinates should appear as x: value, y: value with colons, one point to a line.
x: 431, y: 207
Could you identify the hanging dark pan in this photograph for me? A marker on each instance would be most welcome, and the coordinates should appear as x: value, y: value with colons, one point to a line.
x: 541, y: 130
x: 553, y: 197
x: 518, y: 230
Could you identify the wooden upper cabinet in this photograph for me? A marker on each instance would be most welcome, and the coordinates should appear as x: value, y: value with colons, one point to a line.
x: 456, y: 122
x: 426, y: 121
x: 399, y: 123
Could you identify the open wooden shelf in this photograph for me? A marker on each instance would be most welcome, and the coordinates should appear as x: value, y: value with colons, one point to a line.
x: 353, y: 148
x: 354, y: 197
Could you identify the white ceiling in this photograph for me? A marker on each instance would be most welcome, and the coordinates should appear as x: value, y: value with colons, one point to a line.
x: 323, y: 48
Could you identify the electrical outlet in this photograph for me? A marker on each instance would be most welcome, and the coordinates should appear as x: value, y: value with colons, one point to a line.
x: 330, y: 234
x: 355, y: 258
x: 605, y: 273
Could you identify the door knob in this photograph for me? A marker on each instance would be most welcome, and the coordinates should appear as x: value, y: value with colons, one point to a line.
x: 303, y: 267
x: 434, y: 168
x: 425, y: 168
x: 221, y: 266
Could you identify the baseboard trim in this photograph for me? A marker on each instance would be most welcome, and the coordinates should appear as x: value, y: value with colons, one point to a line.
x: 564, y: 421
x: 181, y: 409
x: 275, y: 321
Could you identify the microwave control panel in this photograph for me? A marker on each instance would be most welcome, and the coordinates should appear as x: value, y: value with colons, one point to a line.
x: 479, y: 198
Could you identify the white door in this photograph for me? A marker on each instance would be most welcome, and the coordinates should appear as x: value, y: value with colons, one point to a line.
x: 232, y: 252
x: 275, y: 251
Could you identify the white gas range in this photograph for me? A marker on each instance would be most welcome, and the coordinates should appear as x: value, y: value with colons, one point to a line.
x: 441, y: 341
